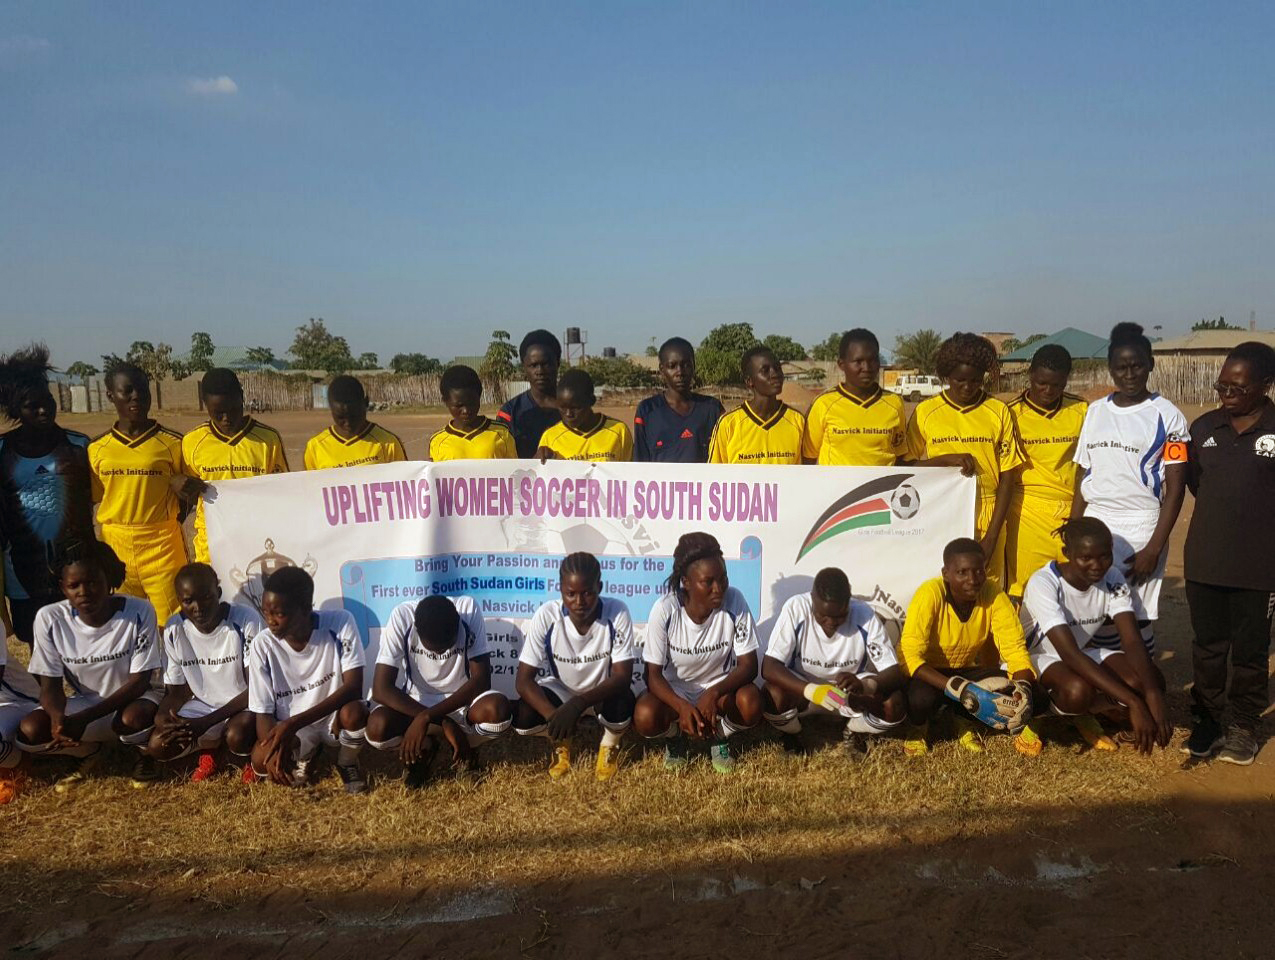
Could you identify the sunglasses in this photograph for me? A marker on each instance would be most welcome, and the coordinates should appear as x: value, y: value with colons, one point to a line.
x: 1231, y: 390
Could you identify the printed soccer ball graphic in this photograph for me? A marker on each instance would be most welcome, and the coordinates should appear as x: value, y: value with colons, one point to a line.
x: 905, y: 501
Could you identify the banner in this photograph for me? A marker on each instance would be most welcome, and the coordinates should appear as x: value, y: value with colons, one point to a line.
x: 377, y: 536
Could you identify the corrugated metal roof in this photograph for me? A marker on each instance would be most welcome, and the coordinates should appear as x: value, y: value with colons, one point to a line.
x: 236, y: 358
x: 1081, y: 345
x: 1212, y: 341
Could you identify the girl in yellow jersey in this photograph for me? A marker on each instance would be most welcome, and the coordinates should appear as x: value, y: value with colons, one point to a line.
x: 584, y: 434
x: 857, y: 423
x: 764, y: 429
x: 352, y: 440
x: 1048, y: 422
x: 137, y: 466
x: 469, y: 435
x: 966, y: 427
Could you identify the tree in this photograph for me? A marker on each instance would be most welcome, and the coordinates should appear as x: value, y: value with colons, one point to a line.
x: 82, y: 370
x: 1218, y: 324
x: 261, y: 355
x: 618, y: 372
x: 416, y: 364
x: 733, y: 338
x: 718, y: 356
x: 784, y: 348
x: 156, y: 359
x: 830, y: 349
x: 498, y: 363
x: 368, y: 361
x: 201, y: 351
x: 1013, y: 343
x: 917, y: 351
x: 314, y: 348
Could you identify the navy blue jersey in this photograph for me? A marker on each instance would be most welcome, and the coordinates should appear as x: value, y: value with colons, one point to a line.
x: 662, y: 435
x: 527, y: 420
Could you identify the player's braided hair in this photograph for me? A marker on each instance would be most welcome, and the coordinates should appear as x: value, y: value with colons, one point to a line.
x: 858, y: 335
x: 691, y: 549
x: 832, y: 586
x: 580, y: 564
x: 21, y: 373
x: 1082, y: 528
x: 1257, y: 355
x: 1052, y: 356
x: 93, y: 554
x: 437, y: 620
x: 965, y: 348
x: 293, y: 584
x: 1128, y: 335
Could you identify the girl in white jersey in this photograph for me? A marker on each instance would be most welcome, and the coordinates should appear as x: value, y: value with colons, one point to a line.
x: 432, y: 680
x: 103, y: 645
x: 19, y: 695
x: 1133, y: 450
x: 1066, y: 607
x: 205, y: 703
x: 577, y: 658
x: 701, y: 658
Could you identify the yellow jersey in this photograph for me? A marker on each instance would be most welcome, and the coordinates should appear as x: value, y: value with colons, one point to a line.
x: 984, y: 429
x: 934, y: 636
x: 742, y: 436
x: 608, y: 442
x: 374, y: 444
x: 1049, y: 439
x: 842, y: 430
x: 132, y: 476
x: 490, y: 440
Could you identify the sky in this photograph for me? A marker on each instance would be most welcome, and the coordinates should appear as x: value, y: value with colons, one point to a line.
x: 421, y: 174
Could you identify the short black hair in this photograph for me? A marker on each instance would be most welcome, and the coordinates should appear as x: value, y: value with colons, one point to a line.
x: 959, y: 547
x: 761, y: 350
x: 90, y: 553
x: 294, y: 585
x: 1257, y: 355
x: 460, y: 377
x: 579, y: 383
x: 676, y: 343
x: 1128, y: 335
x: 858, y: 335
x: 1082, y: 528
x: 832, y: 585
x: 22, y: 373
x: 196, y: 571
x: 543, y: 339
x: 965, y: 348
x: 346, y: 389
x: 220, y: 382
x: 1052, y: 356
x: 123, y: 368
x: 437, y: 620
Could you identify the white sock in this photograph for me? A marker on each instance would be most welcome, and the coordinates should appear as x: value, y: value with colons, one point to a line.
x: 611, y: 738
x: 787, y: 722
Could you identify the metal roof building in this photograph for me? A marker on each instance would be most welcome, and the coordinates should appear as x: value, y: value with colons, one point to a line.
x: 1081, y: 346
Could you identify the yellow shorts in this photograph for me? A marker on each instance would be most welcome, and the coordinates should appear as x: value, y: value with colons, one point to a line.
x: 1032, y: 543
x: 152, y: 555
x: 996, y: 563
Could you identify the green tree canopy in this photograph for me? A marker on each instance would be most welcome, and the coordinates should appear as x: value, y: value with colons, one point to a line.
x: 416, y: 364
x: 314, y: 348
x: 1218, y: 324
x: 262, y: 355
x: 498, y: 362
x: 917, y: 351
x: 828, y: 349
x: 784, y: 348
x: 618, y: 372
x: 201, y: 351
x: 81, y: 370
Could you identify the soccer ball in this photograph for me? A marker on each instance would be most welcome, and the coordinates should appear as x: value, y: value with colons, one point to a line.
x: 905, y: 501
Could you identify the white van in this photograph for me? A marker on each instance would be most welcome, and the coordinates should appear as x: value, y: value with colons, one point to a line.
x: 918, y: 386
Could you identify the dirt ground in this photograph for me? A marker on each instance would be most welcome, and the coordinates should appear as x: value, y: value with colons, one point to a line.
x: 1074, y: 855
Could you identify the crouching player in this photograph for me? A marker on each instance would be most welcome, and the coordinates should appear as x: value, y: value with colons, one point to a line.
x: 305, y: 681
x: 1082, y: 633
x: 105, y: 646
x: 433, y: 677
x: 829, y: 651
x: 959, y: 627
x: 577, y: 658
x: 701, y: 658
x: 19, y: 695
x: 205, y: 701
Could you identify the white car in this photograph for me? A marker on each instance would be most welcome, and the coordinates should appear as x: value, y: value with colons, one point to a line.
x: 917, y: 386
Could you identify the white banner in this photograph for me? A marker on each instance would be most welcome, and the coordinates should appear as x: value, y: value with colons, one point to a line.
x: 375, y: 536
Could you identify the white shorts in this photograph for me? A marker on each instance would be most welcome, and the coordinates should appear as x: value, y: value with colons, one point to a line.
x: 1129, y: 535
x: 459, y: 716
x: 812, y: 710
x: 99, y: 731
x: 11, y: 714
x: 193, y: 709
x: 1045, y: 656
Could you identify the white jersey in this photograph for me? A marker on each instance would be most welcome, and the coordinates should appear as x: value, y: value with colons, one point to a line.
x: 1124, y: 451
x: 1050, y: 601
x: 424, y: 675
x: 283, y: 682
x: 96, y: 661
x: 552, y: 644
x: 698, y: 655
x: 858, y: 646
x: 211, y: 664
x: 16, y: 685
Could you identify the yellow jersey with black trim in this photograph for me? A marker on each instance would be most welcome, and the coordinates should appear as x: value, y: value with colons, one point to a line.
x: 984, y: 429
x: 843, y: 430
x: 132, y: 476
x: 1049, y: 439
x: 610, y: 441
x: 374, y: 444
x: 490, y: 440
x: 934, y: 635
x: 742, y: 436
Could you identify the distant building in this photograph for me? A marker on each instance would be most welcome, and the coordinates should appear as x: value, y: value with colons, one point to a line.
x: 1210, y: 343
x: 1081, y: 346
x: 998, y: 339
x: 236, y: 358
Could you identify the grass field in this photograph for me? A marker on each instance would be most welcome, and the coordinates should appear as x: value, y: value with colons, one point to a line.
x: 1073, y: 854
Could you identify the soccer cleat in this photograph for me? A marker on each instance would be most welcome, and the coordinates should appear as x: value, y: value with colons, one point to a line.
x: 719, y: 753
x: 1240, y: 747
x: 1028, y: 742
x: 301, y: 770
x: 792, y: 743
x: 352, y: 777
x: 1092, y: 733
x: 914, y: 741
x: 675, y: 754
x: 205, y: 768
x: 855, y: 744
x: 608, y: 763
x: 145, y: 772
x: 1205, y: 740
x: 69, y: 782
x: 967, y: 737
x: 561, y: 764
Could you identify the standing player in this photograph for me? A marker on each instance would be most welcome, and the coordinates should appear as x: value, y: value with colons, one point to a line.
x: 230, y: 445
x: 830, y: 651
x: 137, y: 466
x: 468, y: 435
x: 45, y: 486
x: 19, y: 695
x: 701, y: 658
x: 305, y: 681
x: 105, y: 646
x: 1048, y: 421
x: 1133, y: 451
x: 960, y: 625
x: 857, y: 423
x: 433, y: 677
x: 352, y: 440
x: 205, y: 701
x: 675, y: 426
x: 966, y: 427
x: 535, y: 410
x: 1230, y: 556
x: 764, y: 429
x: 584, y: 434
x: 1064, y: 606
x: 577, y: 658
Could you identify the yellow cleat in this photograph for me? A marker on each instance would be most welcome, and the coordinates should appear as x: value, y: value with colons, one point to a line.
x: 608, y: 763
x: 1028, y: 742
x: 1089, y: 728
x: 914, y: 743
x: 561, y: 764
x: 968, y: 737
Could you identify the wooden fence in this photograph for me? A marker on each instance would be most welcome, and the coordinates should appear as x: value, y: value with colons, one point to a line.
x: 276, y: 391
x: 1187, y: 380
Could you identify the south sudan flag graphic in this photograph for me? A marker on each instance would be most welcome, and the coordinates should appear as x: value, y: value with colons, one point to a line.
x: 867, y: 505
